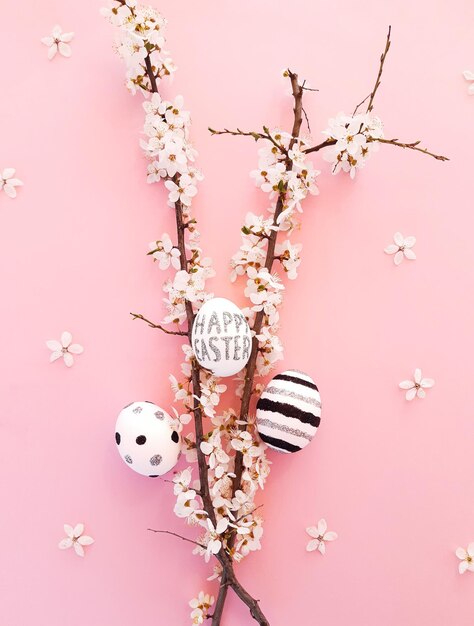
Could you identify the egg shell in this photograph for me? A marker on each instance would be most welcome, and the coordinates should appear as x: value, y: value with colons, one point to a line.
x: 221, y: 337
x: 146, y: 439
x: 289, y: 411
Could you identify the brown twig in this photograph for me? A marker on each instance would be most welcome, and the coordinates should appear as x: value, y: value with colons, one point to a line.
x: 223, y: 557
x: 414, y: 145
x: 139, y: 316
x: 168, y: 532
x: 370, y: 106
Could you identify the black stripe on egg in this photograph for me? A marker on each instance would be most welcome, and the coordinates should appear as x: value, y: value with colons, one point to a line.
x: 297, y: 381
x: 288, y: 410
x: 279, y: 444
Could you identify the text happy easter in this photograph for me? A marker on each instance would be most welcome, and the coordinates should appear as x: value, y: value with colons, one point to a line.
x: 223, y: 340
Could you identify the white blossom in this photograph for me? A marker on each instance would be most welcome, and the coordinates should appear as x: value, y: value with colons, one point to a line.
x: 466, y: 557
x: 165, y: 253
x: 64, y: 348
x: 58, y: 42
x: 75, y: 538
x: 402, y: 248
x: 417, y: 386
x: 8, y: 182
x: 200, y: 606
x: 320, y: 535
x: 468, y: 75
x: 214, y: 543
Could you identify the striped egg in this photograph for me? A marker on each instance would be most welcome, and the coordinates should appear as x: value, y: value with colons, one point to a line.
x: 289, y: 411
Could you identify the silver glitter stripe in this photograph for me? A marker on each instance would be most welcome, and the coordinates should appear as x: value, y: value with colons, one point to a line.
x: 293, y: 394
x: 286, y: 429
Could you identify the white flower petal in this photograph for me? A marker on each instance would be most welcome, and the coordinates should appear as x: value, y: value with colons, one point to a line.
x: 421, y: 393
x: 66, y: 339
x: 9, y: 190
x: 8, y: 172
x: 67, y: 37
x: 427, y: 383
x: 85, y: 540
x: 48, y: 41
x: 322, y: 526
x: 56, y: 32
x: 417, y: 375
x: 391, y: 249
x: 78, y: 548
x: 65, y: 543
x: 398, y: 258
x: 470, y: 549
x: 52, y: 51
x: 461, y: 553
x: 312, y: 531
x: 78, y: 530
x: 75, y: 348
x: 330, y: 536
x: 64, y: 49
x: 399, y: 239
x: 462, y: 567
x: 53, y: 344
x: 406, y: 384
x: 68, y: 359
x: 410, y: 394
x: 322, y: 547
x: 55, y: 355
x: 409, y: 254
x: 69, y: 530
x: 409, y: 241
x: 312, y: 545
x: 468, y: 75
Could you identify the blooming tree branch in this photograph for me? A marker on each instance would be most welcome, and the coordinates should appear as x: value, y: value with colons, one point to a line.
x: 231, y: 458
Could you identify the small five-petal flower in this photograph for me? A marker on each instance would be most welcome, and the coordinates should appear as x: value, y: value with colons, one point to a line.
x: 468, y: 75
x: 8, y: 182
x: 402, y: 248
x: 64, y: 348
x: 417, y: 386
x: 75, y: 538
x: 466, y: 557
x: 320, y: 534
x: 58, y: 42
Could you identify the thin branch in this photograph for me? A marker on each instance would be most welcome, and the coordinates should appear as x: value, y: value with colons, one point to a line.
x: 168, y: 532
x: 237, y: 132
x: 370, y: 106
x: 320, y: 146
x: 414, y: 145
x: 139, y: 316
x: 151, y: 75
x: 360, y: 104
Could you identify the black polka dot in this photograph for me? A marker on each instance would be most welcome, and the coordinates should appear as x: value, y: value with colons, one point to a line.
x: 153, y: 476
x: 141, y: 439
x: 117, y: 438
x: 175, y: 436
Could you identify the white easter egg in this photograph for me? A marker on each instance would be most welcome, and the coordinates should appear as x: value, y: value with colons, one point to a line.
x: 221, y: 337
x: 289, y: 411
x: 146, y: 439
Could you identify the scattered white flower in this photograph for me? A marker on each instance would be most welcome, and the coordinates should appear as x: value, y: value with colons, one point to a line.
x: 64, y: 348
x: 466, y: 557
x: 417, y: 386
x: 320, y: 534
x: 165, y: 253
x: 469, y: 76
x: 58, y: 42
x: 402, y: 248
x: 8, y: 182
x: 75, y: 538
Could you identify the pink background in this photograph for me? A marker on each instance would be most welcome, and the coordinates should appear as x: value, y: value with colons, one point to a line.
x: 394, y: 479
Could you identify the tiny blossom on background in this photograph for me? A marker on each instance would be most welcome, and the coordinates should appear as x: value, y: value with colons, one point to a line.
x: 8, y: 182
x: 402, y: 248
x: 58, y: 42
x: 64, y: 348
x: 75, y: 538
x: 467, y: 558
x: 468, y: 75
x: 417, y: 386
x: 320, y: 534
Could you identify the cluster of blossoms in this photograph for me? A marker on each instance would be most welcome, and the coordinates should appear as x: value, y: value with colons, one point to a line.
x: 200, y: 607
x: 355, y: 137
x: 286, y: 174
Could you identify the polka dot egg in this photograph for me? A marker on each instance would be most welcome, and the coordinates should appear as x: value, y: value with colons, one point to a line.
x: 146, y: 439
